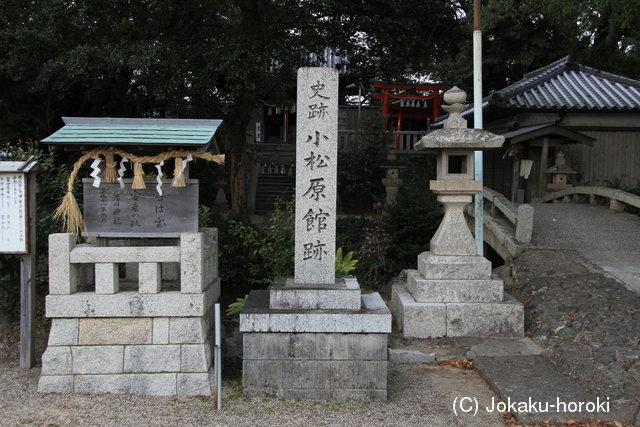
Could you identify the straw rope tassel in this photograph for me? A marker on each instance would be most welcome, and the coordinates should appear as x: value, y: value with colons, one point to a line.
x: 138, y: 179
x: 178, y: 176
x: 110, y: 173
x: 69, y: 212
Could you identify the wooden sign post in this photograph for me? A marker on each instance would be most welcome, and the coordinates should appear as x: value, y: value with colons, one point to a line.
x: 18, y: 236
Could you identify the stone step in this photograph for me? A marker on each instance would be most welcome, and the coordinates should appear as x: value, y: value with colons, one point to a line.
x: 535, y: 392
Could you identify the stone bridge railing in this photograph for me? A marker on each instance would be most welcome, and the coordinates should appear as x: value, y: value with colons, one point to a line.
x: 508, y: 227
x: 618, y: 199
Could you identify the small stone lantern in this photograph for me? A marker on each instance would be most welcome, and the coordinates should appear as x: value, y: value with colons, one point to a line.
x: 455, y: 184
x: 559, y: 172
x: 392, y: 180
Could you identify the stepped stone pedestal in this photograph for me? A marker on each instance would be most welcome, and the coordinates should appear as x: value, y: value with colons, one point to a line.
x: 150, y: 335
x: 453, y: 292
x: 315, y: 342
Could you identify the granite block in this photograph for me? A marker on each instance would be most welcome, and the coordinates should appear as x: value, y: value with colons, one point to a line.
x: 97, y: 359
x: 152, y: 358
x: 63, y: 332
x: 111, y: 331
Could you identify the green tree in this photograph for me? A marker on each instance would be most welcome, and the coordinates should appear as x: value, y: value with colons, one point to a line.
x: 521, y: 36
x: 197, y: 58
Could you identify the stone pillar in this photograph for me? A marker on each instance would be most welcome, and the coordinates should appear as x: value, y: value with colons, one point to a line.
x: 315, y: 336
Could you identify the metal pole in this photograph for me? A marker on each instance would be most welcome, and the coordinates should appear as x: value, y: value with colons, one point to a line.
x: 217, y: 360
x: 477, y: 122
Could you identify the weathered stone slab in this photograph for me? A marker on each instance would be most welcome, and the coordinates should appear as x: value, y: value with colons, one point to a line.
x: 136, y: 254
x: 505, y: 319
x: 318, y: 394
x: 57, y: 361
x: 319, y: 374
x: 110, y: 331
x: 196, y: 384
x: 278, y: 346
x: 314, y: 346
x: 152, y: 358
x: 151, y: 384
x: 196, y: 357
x: 188, y: 330
x: 132, y: 304
x: 160, y: 330
x: 344, y: 295
x: 351, y: 346
x: 418, y: 320
x: 55, y: 384
x: 258, y: 317
x: 410, y: 356
x: 451, y: 290
x: 97, y: 359
x: 535, y: 380
x: 63, y: 332
x: 433, y: 266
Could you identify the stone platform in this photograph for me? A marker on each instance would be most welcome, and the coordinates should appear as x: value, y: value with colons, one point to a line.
x: 326, y: 354
x: 455, y: 296
x: 140, y: 335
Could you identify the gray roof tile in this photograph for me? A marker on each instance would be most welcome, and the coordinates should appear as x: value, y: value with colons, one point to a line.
x: 565, y: 84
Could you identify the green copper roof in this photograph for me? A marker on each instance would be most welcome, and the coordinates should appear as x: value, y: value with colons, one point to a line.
x: 177, y: 133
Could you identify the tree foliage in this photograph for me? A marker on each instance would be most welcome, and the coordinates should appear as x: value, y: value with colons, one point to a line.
x: 194, y: 58
x: 519, y: 37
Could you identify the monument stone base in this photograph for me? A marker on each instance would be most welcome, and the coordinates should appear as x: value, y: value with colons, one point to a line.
x: 455, y: 296
x: 139, y: 335
x: 322, y: 354
x: 137, y: 355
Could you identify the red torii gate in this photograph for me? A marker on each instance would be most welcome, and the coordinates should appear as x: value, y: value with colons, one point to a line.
x: 409, y: 101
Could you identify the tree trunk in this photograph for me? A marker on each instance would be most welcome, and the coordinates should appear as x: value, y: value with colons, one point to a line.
x: 235, y: 130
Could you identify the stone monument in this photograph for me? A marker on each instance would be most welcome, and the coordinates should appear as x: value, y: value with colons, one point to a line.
x: 453, y: 292
x: 315, y: 336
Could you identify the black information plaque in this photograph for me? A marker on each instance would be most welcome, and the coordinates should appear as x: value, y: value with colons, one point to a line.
x: 110, y: 211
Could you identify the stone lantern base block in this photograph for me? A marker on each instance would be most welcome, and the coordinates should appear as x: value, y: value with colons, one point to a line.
x: 504, y: 319
x: 454, y: 290
x: 456, y: 267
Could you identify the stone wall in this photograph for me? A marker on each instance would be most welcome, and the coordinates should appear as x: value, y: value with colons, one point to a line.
x: 142, y: 340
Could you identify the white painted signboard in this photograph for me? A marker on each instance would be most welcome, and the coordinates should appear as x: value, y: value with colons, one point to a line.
x: 13, y: 213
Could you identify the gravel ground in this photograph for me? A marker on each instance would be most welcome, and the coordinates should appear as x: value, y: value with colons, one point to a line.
x: 419, y: 395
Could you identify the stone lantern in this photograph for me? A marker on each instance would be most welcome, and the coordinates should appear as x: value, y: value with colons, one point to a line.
x: 453, y: 292
x: 559, y: 172
x: 455, y: 184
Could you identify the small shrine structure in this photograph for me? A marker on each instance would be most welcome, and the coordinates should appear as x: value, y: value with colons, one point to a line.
x: 453, y: 293
x: 136, y: 315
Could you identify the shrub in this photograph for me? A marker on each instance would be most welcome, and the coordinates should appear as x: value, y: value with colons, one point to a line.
x: 359, y: 172
x: 414, y: 217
